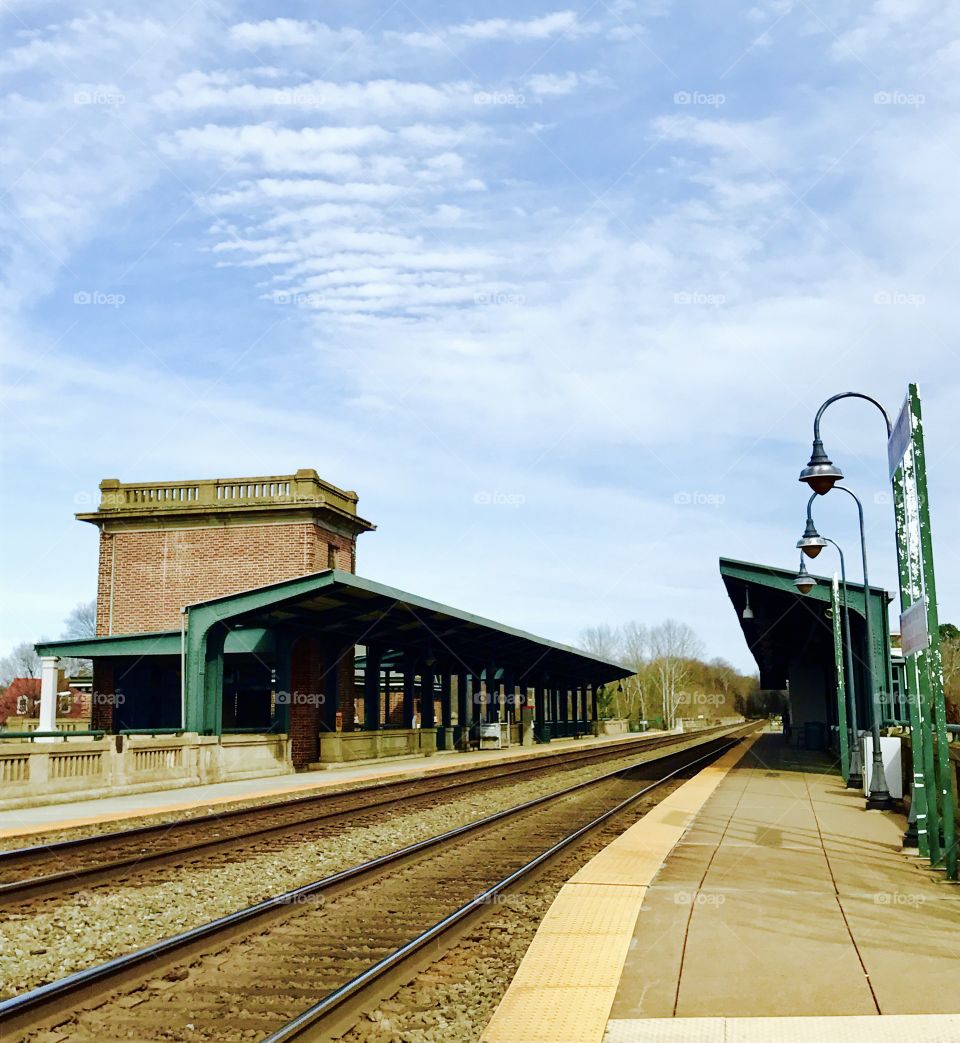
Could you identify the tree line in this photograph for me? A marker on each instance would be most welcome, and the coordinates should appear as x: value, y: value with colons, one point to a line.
x: 671, y: 677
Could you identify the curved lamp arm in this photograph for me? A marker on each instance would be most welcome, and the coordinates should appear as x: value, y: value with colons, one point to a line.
x: 847, y: 394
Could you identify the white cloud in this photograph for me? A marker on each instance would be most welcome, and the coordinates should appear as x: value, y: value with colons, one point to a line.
x: 511, y: 30
x: 322, y: 150
x: 289, y: 32
x: 379, y: 98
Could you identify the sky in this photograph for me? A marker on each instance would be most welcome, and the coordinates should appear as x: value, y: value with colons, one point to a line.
x: 557, y: 289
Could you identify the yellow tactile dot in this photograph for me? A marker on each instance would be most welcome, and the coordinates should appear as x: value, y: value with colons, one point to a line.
x: 552, y: 1016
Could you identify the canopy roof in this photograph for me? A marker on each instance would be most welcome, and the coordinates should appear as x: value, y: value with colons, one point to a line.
x: 360, y: 611
x: 786, y: 624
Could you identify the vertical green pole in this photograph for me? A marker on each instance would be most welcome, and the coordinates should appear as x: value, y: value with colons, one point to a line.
x: 918, y: 788
x: 917, y: 672
x: 841, y: 683
x: 932, y: 659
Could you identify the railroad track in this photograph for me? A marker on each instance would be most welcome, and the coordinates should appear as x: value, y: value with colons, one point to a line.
x: 303, y: 963
x: 57, y: 868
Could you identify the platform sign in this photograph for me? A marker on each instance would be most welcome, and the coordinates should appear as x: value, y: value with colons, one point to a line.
x: 899, y: 441
x: 914, y: 636
x: 920, y: 633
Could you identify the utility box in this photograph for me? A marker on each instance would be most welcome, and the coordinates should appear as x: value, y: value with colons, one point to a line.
x: 490, y: 736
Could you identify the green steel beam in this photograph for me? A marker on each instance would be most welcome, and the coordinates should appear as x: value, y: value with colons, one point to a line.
x: 931, y: 656
x: 165, y: 642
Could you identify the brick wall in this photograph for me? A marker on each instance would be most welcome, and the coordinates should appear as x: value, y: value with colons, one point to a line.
x: 156, y: 572
x: 306, y: 676
x: 101, y: 709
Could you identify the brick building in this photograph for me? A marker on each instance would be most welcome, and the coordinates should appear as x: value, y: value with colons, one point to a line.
x: 164, y: 545
x: 167, y: 545
x: 229, y: 610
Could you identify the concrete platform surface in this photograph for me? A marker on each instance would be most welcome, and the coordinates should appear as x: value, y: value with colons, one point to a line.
x: 781, y: 910
x: 787, y: 899
x: 73, y: 813
x: 897, y: 1028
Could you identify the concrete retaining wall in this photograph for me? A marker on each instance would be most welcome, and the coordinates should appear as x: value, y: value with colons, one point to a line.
x: 337, y: 747
x: 37, y: 773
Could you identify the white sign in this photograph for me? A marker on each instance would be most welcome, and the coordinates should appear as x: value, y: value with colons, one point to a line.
x: 913, y: 628
x: 899, y: 440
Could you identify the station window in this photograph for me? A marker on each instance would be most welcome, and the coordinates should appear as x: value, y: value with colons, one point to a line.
x: 331, y: 556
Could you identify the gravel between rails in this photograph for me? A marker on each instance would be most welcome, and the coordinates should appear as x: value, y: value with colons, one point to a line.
x: 452, y: 1000
x: 54, y: 938
x: 321, y: 789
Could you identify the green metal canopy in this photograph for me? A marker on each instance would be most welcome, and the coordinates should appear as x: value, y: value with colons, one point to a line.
x: 346, y: 610
x: 790, y: 634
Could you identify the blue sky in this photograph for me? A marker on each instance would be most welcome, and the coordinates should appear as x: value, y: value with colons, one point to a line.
x: 556, y: 289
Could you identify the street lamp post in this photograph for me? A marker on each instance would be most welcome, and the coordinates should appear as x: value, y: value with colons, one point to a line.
x: 879, y: 798
x: 822, y: 475
x: 811, y: 543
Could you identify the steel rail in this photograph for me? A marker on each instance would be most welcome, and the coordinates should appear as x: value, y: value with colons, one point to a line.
x: 28, y: 1004
x: 15, y: 889
x: 330, y: 1003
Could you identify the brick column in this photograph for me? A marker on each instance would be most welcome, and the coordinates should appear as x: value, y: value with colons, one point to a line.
x: 305, y: 685
x: 102, y: 700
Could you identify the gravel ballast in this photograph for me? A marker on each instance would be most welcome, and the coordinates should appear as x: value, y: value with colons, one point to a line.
x: 55, y: 937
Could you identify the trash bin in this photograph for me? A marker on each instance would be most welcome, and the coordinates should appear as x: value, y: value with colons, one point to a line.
x: 815, y: 735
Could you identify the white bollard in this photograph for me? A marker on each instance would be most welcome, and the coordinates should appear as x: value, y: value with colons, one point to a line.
x: 48, y: 695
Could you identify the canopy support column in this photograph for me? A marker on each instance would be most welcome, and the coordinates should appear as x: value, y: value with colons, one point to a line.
x: 428, y: 713
x: 371, y: 690
x: 409, y: 694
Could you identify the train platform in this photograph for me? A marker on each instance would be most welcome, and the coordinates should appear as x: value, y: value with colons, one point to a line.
x: 758, y: 901
x: 70, y: 814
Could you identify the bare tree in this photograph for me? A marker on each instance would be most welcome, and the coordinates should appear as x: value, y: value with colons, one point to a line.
x: 601, y: 641
x: 82, y: 621
x: 635, y: 653
x: 673, y: 647
x: 22, y: 661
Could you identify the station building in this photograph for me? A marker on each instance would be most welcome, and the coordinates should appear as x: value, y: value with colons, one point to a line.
x: 230, y: 610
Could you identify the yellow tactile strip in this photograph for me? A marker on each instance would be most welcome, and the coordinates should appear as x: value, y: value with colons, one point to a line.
x: 566, y: 983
